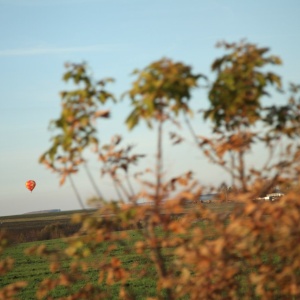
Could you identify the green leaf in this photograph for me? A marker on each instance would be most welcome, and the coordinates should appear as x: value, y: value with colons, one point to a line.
x: 132, y: 120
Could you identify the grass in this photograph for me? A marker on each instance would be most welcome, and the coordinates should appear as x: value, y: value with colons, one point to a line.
x: 34, y: 268
x: 29, y: 268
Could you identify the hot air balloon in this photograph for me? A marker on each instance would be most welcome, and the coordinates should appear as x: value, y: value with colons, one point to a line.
x: 30, y: 185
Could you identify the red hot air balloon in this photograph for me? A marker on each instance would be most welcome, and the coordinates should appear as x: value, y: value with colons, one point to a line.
x: 30, y: 185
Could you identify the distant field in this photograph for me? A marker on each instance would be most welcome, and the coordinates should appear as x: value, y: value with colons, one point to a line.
x: 29, y: 227
x: 27, y: 224
x: 40, y: 216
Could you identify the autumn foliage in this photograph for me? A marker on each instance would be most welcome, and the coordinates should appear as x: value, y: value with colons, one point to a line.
x: 251, y: 252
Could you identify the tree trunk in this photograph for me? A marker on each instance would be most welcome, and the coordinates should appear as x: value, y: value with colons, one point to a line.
x: 242, y: 170
x: 100, y: 195
x: 159, y: 163
x: 76, y: 192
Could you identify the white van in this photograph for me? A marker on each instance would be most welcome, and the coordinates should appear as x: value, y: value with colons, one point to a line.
x: 273, y: 196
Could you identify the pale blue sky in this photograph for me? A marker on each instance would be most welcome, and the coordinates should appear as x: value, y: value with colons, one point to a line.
x: 114, y: 37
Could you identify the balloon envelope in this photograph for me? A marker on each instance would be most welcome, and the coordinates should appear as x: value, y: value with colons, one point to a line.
x: 30, y: 185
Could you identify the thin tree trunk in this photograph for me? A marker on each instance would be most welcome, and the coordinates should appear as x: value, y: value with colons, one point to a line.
x: 159, y: 163
x: 231, y: 154
x: 191, y: 129
x: 117, y: 189
x: 242, y: 170
x: 157, y: 256
x: 123, y: 189
x: 100, y: 195
x: 130, y: 185
x: 76, y: 192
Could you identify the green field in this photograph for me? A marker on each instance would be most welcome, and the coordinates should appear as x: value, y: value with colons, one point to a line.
x: 34, y: 268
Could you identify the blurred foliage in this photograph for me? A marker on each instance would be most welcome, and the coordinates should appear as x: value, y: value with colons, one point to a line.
x: 239, y: 115
x: 76, y: 125
x: 242, y: 80
x: 117, y: 160
x: 161, y: 91
x: 252, y: 253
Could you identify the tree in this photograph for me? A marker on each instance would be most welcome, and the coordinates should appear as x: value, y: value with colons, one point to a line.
x: 197, y: 253
x: 236, y: 105
x: 161, y: 91
x: 76, y: 125
x: 115, y: 160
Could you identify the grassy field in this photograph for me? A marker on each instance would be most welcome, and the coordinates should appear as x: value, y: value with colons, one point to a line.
x: 34, y: 268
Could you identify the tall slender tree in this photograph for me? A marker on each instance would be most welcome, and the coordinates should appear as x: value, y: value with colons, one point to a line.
x: 161, y: 91
x: 76, y: 124
x: 236, y: 104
